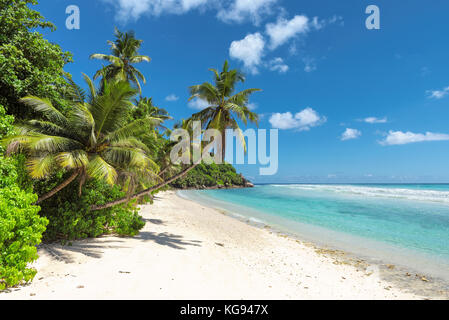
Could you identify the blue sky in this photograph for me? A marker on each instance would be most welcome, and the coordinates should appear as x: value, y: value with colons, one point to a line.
x: 351, y: 104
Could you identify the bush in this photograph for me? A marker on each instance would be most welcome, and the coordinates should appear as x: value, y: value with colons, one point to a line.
x: 70, y: 217
x: 212, y: 175
x: 21, y: 230
x: 21, y: 227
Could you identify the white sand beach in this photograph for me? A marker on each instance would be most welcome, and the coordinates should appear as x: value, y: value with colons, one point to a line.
x: 188, y: 251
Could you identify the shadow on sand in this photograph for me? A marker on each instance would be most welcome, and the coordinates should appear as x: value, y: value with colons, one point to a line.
x: 94, y: 248
x: 167, y: 239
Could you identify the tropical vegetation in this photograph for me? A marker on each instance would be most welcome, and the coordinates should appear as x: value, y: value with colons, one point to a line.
x: 75, y: 161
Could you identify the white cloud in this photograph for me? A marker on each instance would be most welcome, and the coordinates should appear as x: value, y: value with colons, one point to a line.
x: 198, y: 104
x: 399, y: 137
x: 301, y: 121
x: 240, y: 10
x: 309, y: 64
x: 252, y: 106
x: 350, y: 134
x: 172, y: 98
x: 134, y: 9
x: 438, y: 94
x: 249, y: 50
x: 253, y: 47
x: 373, y: 120
x: 227, y: 11
x: 284, y: 30
x: 277, y: 64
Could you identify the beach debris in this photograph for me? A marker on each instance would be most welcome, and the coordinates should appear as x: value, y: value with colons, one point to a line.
x: 424, y: 279
x: 219, y: 244
x: 32, y: 294
x: 408, y: 274
x: 390, y: 266
x: 80, y: 287
x: 125, y: 272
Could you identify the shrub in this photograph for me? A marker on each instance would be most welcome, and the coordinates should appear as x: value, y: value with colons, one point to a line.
x: 21, y: 230
x: 70, y: 217
x: 21, y: 227
x: 212, y: 175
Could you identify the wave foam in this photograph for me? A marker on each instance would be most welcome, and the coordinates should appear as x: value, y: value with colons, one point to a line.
x: 384, y: 192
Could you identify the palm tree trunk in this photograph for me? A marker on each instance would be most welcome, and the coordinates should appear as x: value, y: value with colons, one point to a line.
x: 223, y: 146
x: 163, y: 171
x: 58, y: 188
x: 144, y: 192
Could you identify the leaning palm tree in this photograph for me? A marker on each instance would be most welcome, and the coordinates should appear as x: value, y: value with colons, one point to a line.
x: 224, y: 104
x: 125, y: 53
x: 91, y: 140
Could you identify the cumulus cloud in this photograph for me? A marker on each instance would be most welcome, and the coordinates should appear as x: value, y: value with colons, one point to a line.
x: 350, y: 134
x: 241, y: 10
x: 249, y: 50
x: 134, y: 9
x: 198, y: 104
x: 301, y: 121
x: 373, y: 120
x: 253, y: 48
x: 399, y: 137
x: 277, y: 64
x: 438, y: 94
x: 172, y: 98
x: 284, y: 30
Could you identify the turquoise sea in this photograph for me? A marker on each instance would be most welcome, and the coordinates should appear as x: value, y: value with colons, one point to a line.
x: 403, y: 224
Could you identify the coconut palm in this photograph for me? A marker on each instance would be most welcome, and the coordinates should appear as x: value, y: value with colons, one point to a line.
x: 125, y: 53
x: 224, y: 103
x: 91, y: 140
x: 167, y: 167
x: 144, y: 108
x: 225, y: 106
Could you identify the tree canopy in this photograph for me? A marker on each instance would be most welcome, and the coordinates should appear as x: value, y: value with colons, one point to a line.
x: 29, y: 64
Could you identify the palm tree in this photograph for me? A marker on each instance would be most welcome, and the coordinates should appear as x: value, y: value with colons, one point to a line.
x: 224, y: 104
x: 144, y: 108
x: 125, y: 53
x: 91, y: 140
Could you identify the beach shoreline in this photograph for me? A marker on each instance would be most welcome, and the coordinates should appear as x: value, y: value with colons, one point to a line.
x: 189, y: 251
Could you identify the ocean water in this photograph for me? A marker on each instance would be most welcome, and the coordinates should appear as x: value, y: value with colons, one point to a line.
x: 403, y: 224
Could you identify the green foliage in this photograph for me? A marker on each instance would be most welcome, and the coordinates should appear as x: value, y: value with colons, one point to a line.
x: 70, y: 217
x: 21, y: 227
x: 29, y: 64
x: 207, y: 176
x: 6, y: 122
x: 92, y: 139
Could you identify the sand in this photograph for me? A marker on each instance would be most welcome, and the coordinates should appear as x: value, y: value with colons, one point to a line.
x: 188, y: 251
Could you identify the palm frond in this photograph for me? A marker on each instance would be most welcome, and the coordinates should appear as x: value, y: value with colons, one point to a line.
x: 72, y: 160
x: 40, y: 167
x: 46, y: 108
x: 98, y: 168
